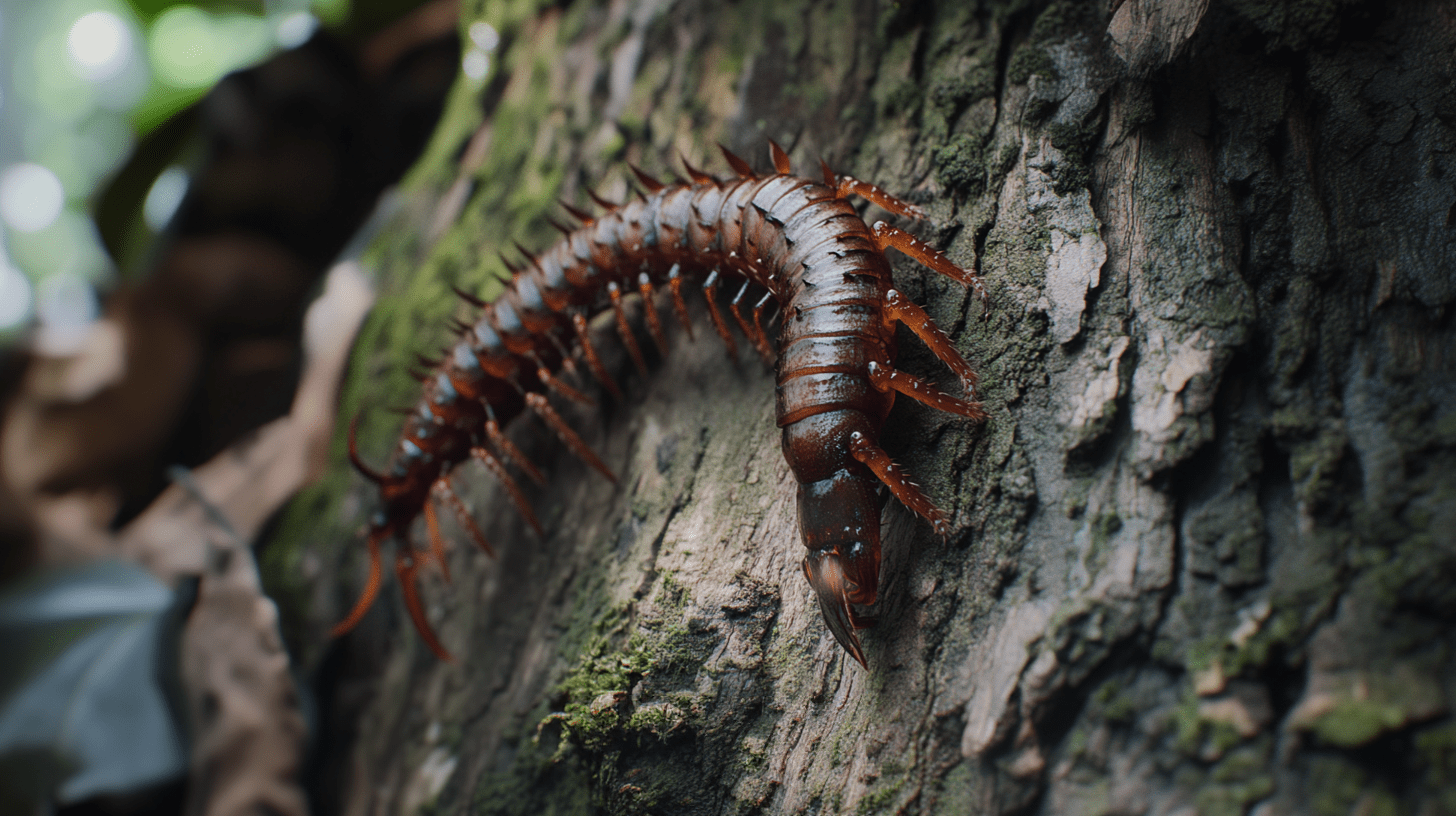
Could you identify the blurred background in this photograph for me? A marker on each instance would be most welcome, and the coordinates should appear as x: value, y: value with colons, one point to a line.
x: 82, y: 82
x: 185, y: 189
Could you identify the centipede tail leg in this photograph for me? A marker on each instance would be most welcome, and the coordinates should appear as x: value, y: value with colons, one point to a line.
x: 371, y: 589
x: 873, y: 457
x: 406, y: 567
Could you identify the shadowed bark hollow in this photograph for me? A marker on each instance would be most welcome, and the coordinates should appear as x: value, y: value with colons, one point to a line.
x: 1201, y: 558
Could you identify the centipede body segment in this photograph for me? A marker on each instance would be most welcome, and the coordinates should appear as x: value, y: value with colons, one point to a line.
x: 779, y: 244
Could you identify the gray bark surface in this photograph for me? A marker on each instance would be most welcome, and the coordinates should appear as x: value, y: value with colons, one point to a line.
x: 1202, y: 551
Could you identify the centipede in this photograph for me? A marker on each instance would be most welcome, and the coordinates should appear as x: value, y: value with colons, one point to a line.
x: 784, y: 241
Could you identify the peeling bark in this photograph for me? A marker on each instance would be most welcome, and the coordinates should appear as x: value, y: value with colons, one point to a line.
x: 1201, y: 555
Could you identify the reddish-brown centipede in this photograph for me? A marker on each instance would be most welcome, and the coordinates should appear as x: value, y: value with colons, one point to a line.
x: 797, y: 239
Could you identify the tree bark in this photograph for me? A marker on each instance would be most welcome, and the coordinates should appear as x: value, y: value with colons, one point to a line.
x: 1202, y: 553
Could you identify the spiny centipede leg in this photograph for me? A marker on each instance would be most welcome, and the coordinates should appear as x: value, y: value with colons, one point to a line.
x: 406, y: 566
x: 898, y: 307
x: 674, y: 282
x: 518, y: 498
x: 760, y: 343
x: 554, y: 383
x: 500, y: 440
x: 710, y: 291
x: 649, y: 308
x: 437, y: 540
x: 887, y: 236
x: 448, y: 496
x: 758, y: 315
x: 593, y: 362
x: 886, y: 378
x: 846, y: 186
x: 625, y: 330
x: 371, y: 590
x: 573, y: 441
x: 873, y: 457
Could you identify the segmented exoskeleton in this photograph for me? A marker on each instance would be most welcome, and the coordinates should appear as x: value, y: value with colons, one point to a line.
x: 796, y: 239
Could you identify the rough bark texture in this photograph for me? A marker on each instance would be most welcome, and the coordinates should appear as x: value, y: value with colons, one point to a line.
x: 1202, y: 555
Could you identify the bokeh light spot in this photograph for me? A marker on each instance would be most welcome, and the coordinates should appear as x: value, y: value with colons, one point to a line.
x: 484, y: 35
x: 475, y: 64
x: 100, y: 44
x: 16, y: 297
x: 165, y: 197
x: 295, y: 29
x: 31, y: 197
x: 182, y: 48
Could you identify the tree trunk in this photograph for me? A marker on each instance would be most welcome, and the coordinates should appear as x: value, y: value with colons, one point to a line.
x: 1201, y: 555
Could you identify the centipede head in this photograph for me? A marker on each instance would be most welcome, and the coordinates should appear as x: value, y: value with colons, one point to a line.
x: 828, y: 574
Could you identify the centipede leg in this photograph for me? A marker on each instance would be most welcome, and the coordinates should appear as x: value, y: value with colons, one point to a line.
x: 710, y: 291
x: 925, y: 255
x: 371, y: 590
x: 573, y: 441
x: 447, y: 495
x: 873, y: 457
x: 885, y: 379
x: 760, y: 343
x: 625, y: 329
x: 506, y: 446
x: 680, y: 306
x: 589, y: 351
x: 649, y: 308
x: 518, y: 497
x: 898, y: 307
x: 846, y: 186
x: 437, y: 540
x: 406, y: 566
x: 554, y: 383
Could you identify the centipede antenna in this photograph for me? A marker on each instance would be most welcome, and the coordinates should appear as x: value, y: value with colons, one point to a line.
x: 371, y: 590
x: 580, y: 215
x: 406, y: 564
x: 698, y: 176
x: 601, y: 202
x: 780, y: 158
x: 652, y: 184
x: 354, y: 459
x: 739, y: 166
